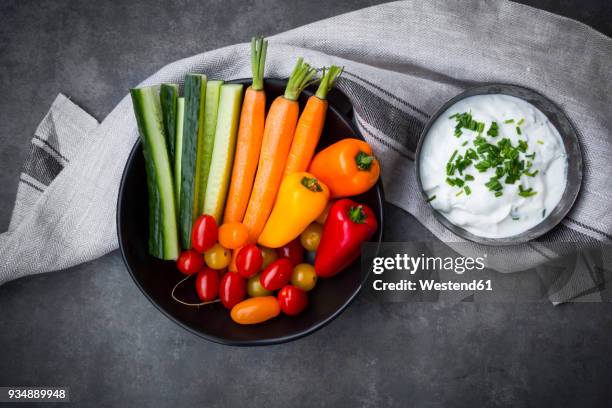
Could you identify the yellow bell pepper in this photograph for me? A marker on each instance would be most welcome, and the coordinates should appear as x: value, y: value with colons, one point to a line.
x: 301, y: 199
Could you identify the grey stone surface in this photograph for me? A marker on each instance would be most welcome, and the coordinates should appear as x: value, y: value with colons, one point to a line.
x: 89, y: 327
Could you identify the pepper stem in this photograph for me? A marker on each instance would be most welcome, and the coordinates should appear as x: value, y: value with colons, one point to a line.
x: 312, y: 184
x: 327, y: 81
x: 364, y: 161
x: 357, y: 215
x: 259, y: 48
x: 300, y: 78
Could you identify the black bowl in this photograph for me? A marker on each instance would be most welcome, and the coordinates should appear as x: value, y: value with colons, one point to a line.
x: 156, y: 278
x: 569, y: 136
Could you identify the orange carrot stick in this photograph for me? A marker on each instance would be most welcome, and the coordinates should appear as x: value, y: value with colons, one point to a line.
x: 278, y: 134
x: 250, y: 134
x: 310, y: 125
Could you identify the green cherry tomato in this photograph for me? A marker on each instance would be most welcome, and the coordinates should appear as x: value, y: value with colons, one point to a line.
x: 311, y: 237
x: 217, y: 257
x: 269, y: 255
x: 254, y: 288
x: 304, y: 277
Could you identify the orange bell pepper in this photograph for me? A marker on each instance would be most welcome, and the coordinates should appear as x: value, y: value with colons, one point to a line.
x: 347, y: 167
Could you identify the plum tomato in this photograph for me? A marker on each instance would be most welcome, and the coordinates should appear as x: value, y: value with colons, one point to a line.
x: 277, y: 274
x: 204, y: 233
x: 255, y: 310
x: 254, y: 288
x: 233, y: 235
x: 269, y: 255
x: 190, y: 262
x: 292, y: 300
x: 207, y: 284
x: 311, y: 237
x: 248, y: 261
x: 232, y: 289
x: 217, y: 257
x: 292, y: 251
x: 304, y: 277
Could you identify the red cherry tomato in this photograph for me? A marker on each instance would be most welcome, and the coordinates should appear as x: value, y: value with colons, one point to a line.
x: 204, y: 233
x: 190, y: 262
x: 294, y: 251
x: 277, y: 274
x: 249, y: 260
x: 292, y: 300
x: 232, y: 289
x: 207, y: 284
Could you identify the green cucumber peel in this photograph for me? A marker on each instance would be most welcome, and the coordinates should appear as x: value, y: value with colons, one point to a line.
x: 195, y: 95
x: 230, y: 102
x: 205, y: 144
x: 168, y: 95
x: 163, y: 232
x: 178, y: 159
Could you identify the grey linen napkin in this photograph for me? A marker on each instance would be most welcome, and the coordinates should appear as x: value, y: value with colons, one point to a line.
x: 402, y: 61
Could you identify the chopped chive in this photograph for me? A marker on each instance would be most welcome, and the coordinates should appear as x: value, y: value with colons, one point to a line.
x: 518, y: 130
x: 459, y: 193
x: 533, y: 174
x: 539, y: 141
x: 464, y: 143
x: 509, y: 121
x: 544, y: 213
x: 493, y: 130
x: 520, y: 122
x: 498, y: 194
x: 467, y: 189
x: 469, y: 177
x: 433, y: 197
x: 515, y: 218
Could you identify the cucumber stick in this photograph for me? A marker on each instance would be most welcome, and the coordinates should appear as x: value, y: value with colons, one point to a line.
x: 193, y: 120
x: 178, y: 144
x: 206, y: 143
x: 223, y: 150
x: 168, y: 95
x: 163, y: 233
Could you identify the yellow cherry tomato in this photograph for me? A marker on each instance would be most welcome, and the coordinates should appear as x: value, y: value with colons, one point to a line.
x: 254, y: 288
x: 311, y: 237
x: 269, y: 255
x: 323, y: 216
x: 233, y: 235
x: 255, y: 310
x: 304, y: 276
x: 217, y: 257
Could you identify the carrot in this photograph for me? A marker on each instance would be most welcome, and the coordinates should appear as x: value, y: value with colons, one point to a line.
x: 250, y: 134
x: 310, y: 125
x: 278, y: 134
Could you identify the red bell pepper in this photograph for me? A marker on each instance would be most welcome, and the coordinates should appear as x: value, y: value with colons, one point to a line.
x: 347, y: 226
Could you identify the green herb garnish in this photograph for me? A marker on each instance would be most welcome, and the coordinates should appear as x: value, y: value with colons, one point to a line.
x: 493, y: 130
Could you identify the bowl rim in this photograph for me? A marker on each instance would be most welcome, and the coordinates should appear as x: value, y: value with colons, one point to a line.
x: 571, y: 137
x: 260, y: 342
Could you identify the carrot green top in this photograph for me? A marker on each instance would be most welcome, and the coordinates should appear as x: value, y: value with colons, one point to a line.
x: 259, y: 46
x: 300, y: 78
x: 328, y: 80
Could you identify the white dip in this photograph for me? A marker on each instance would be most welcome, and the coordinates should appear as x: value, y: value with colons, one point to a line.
x: 494, y: 209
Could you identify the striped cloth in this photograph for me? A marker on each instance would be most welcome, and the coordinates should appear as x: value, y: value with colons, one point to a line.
x: 402, y: 60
